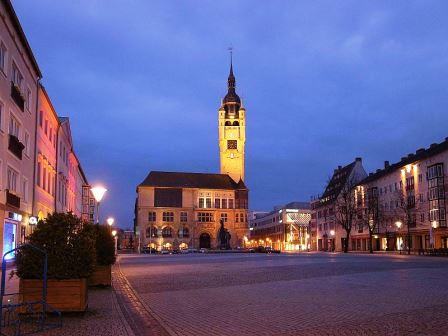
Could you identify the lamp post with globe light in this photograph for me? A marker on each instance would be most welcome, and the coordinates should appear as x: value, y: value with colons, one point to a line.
x: 110, y: 221
x: 98, y: 193
x: 114, y: 234
x: 398, y: 224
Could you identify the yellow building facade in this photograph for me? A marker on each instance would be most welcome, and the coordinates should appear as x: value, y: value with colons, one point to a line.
x: 232, y: 132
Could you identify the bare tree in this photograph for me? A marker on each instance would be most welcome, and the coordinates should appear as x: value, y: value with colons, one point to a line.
x: 405, y: 211
x: 371, y: 214
x: 346, y: 209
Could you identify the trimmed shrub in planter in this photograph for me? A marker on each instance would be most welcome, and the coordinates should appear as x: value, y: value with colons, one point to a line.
x: 105, y: 257
x: 70, y: 246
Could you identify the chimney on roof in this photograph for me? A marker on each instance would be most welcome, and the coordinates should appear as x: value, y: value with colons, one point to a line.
x: 386, y: 164
x: 410, y: 155
x: 358, y: 159
x: 433, y: 145
x: 339, y: 167
x: 378, y: 170
x: 370, y: 174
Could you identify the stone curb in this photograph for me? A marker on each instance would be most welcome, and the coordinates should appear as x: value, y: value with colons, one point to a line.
x: 164, y: 325
x: 122, y: 318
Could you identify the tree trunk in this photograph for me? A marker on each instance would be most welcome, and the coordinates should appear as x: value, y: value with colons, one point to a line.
x: 346, y: 241
x: 409, y: 239
x: 371, y: 241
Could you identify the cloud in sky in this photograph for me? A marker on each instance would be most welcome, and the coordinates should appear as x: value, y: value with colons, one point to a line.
x: 323, y: 82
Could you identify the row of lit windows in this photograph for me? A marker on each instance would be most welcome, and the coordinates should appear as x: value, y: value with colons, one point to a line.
x: 206, y: 203
x: 166, y: 232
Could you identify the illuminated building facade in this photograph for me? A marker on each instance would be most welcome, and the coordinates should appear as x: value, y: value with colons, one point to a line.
x: 286, y: 228
x: 232, y: 132
x: 176, y: 210
x: 19, y: 77
x: 329, y: 235
x: 183, y: 210
x: 29, y: 132
x: 410, y: 194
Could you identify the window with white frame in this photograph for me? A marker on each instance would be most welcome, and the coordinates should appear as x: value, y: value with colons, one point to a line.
x: 12, y: 176
x: 14, y: 126
x: 28, y: 99
x: 27, y: 143
x: 17, y: 76
x: 25, y: 189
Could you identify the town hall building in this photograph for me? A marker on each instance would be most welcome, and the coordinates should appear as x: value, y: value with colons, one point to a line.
x: 179, y: 210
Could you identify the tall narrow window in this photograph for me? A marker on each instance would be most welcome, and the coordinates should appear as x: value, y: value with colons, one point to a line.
x: 14, y: 127
x: 25, y: 190
x: 27, y: 144
x: 3, y: 57
x: 39, y: 172
x: 12, y: 179
x: 17, y: 77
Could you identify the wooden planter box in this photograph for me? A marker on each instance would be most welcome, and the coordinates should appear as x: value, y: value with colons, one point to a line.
x: 63, y: 295
x: 101, y: 276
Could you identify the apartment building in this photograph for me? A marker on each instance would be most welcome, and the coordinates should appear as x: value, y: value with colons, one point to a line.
x: 405, y: 203
x: 31, y: 133
x: 329, y: 233
x: 19, y: 77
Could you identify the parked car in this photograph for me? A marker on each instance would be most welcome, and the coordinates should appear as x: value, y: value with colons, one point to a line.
x: 166, y: 252
x: 149, y: 250
x: 203, y: 250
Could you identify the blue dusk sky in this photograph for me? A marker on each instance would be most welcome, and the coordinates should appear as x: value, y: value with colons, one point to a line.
x: 322, y: 81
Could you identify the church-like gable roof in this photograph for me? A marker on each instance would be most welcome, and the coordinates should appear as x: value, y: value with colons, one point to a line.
x: 191, y: 180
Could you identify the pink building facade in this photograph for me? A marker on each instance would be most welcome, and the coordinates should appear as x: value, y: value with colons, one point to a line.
x: 19, y: 76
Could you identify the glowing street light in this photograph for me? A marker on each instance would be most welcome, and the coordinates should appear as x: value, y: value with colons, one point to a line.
x: 332, y: 232
x: 98, y: 193
x: 114, y: 234
x: 398, y: 224
x: 110, y: 221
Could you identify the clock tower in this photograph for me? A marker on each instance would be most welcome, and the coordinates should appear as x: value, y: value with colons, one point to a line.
x: 232, y: 132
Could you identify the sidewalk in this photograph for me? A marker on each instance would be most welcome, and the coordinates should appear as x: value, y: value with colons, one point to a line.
x: 103, y: 316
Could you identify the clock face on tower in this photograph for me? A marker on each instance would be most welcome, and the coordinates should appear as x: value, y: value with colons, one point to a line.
x: 231, y: 144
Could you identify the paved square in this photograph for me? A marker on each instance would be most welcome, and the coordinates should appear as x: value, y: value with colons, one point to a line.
x: 290, y: 294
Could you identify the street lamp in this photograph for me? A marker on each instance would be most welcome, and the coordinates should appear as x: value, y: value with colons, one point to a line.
x: 398, y: 225
x: 98, y: 193
x: 114, y: 234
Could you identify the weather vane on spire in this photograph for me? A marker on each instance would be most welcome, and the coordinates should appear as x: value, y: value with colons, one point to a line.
x: 230, y: 49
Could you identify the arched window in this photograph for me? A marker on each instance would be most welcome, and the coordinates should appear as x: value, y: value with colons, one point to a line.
x: 228, y: 123
x: 236, y: 123
x: 186, y: 232
x: 167, y: 232
x: 151, y: 232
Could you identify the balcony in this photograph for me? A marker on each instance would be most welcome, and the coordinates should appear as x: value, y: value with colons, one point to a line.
x: 15, y: 146
x: 16, y: 95
x: 12, y: 199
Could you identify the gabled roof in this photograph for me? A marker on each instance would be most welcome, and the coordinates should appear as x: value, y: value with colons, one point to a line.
x: 419, y: 155
x: 16, y: 23
x: 338, y: 181
x: 191, y: 180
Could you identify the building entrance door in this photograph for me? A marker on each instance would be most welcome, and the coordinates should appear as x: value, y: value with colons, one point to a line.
x: 204, y: 240
x: 9, y: 239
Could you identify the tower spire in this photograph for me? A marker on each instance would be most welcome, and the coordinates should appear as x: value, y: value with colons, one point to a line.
x: 231, y: 79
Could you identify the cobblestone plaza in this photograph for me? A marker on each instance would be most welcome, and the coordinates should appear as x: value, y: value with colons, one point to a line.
x: 291, y: 294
